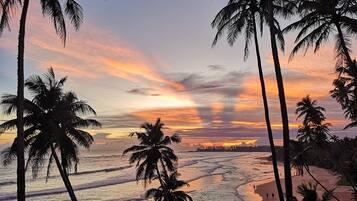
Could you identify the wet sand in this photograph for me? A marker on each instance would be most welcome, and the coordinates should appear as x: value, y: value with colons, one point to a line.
x: 327, y: 178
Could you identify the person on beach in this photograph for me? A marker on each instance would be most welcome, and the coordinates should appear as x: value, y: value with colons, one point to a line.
x: 267, y: 195
x: 272, y: 195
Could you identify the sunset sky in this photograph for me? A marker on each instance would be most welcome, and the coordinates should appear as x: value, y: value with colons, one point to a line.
x: 136, y: 60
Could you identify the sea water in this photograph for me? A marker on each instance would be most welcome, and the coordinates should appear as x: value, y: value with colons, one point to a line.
x: 106, y: 175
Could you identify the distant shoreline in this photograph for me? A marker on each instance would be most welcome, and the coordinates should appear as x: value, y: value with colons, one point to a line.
x: 235, y: 149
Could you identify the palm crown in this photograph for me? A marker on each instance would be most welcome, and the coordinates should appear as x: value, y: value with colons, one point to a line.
x: 52, y: 118
x: 152, y: 149
x: 319, y: 18
x: 51, y: 8
x: 169, y: 192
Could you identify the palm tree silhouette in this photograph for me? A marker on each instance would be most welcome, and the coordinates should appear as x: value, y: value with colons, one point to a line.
x: 345, y: 92
x: 318, y: 20
x: 53, y: 9
x: 151, y: 150
x: 274, y: 32
x: 308, y: 192
x: 53, y: 123
x: 169, y: 191
x: 239, y: 18
x: 313, y: 130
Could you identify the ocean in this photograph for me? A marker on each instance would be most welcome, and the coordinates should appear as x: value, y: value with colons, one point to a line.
x: 107, y: 176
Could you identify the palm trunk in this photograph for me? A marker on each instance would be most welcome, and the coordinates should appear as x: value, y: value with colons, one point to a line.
x: 318, y: 182
x: 343, y: 43
x: 283, y: 108
x: 267, y: 118
x: 65, y: 179
x: 21, y: 185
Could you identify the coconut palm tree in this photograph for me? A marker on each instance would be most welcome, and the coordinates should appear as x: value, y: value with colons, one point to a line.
x: 308, y: 192
x: 345, y: 92
x: 313, y: 130
x: 53, y: 9
x: 169, y: 191
x: 274, y: 32
x: 310, y: 110
x: 151, y: 150
x: 321, y: 18
x: 239, y: 18
x: 53, y: 124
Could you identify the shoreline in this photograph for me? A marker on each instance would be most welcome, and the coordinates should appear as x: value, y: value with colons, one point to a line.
x: 266, y: 189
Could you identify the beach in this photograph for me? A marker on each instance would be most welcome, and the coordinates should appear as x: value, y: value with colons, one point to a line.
x: 326, y: 177
x: 107, y: 176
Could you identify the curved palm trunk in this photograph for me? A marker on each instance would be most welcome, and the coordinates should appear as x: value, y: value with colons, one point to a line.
x: 283, y: 108
x: 318, y: 182
x: 343, y: 43
x: 267, y: 118
x: 21, y: 185
x: 64, y: 176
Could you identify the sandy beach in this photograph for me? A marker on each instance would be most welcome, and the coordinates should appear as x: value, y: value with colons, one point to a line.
x: 326, y: 177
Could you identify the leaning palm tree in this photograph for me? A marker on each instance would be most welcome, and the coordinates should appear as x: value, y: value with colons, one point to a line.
x: 151, y: 150
x: 53, y: 124
x: 321, y: 18
x: 300, y: 161
x: 239, y: 18
x: 308, y: 192
x: 53, y: 9
x: 169, y: 191
x: 274, y: 32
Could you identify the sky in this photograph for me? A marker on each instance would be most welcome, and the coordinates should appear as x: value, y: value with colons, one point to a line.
x: 136, y: 60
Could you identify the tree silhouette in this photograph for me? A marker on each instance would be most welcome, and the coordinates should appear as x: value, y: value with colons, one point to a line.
x: 239, y: 18
x: 274, y: 32
x: 151, y: 150
x: 169, y: 191
x: 308, y: 192
x: 53, y: 9
x: 53, y: 123
x: 319, y: 18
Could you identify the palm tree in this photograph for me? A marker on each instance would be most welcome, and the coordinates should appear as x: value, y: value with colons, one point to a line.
x: 151, y: 150
x: 308, y: 192
x: 319, y: 18
x: 169, y: 192
x: 300, y: 161
x: 313, y: 130
x: 274, y: 32
x: 239, y: 17
x: 345, y: 92
x: 53, y: 9
x: 53, y: 123
x: 310, y: 110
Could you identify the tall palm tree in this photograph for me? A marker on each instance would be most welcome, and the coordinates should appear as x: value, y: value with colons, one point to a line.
x: 239, y: 18
x: 319, y: 19
x: 308, y: 192
x: 274, y: 32
x: 151, y: 150
x: 169, y: 191
x: 53, y: 9
x: 53, y: 124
